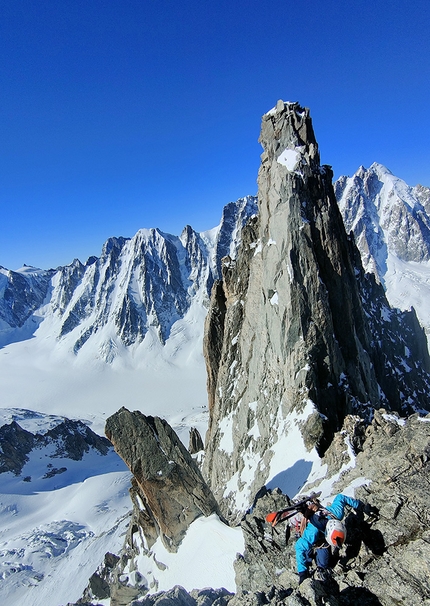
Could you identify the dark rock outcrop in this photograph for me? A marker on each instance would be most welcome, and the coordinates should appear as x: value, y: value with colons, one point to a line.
x: 15, y: 445
x: 99, y: 585
x: 196, y: 443
x: 70, y: 439
x: 73, y: 438
x: 168, y: 482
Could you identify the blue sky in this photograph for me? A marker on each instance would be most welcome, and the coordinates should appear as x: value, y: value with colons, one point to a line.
x: 122, y: 114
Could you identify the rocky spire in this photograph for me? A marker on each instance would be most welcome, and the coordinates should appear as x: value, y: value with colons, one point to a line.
x: 307, y: 337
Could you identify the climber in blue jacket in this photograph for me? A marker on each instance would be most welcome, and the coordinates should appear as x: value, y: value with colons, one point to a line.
x: 323, y: 530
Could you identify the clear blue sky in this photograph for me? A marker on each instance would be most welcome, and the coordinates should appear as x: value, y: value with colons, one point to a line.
x: 122, y: 114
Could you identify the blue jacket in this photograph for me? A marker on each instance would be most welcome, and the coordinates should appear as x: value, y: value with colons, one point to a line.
x: 313, y: 535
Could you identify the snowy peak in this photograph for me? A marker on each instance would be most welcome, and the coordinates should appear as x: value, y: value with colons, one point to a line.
x: 391, y: 226
x: 386, y: 216
x: 136, y: 284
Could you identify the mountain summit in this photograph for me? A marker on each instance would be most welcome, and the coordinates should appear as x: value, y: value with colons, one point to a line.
x: 386, y: 215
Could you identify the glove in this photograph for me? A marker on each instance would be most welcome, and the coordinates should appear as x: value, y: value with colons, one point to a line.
x: 303, y: 575
x: 370, y: 510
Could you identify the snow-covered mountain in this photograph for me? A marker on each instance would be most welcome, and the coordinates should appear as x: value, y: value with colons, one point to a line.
x: 391, y: 224
x: 137, y: 286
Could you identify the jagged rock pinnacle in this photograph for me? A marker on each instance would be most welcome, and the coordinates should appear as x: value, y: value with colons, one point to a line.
x: 307, y: 337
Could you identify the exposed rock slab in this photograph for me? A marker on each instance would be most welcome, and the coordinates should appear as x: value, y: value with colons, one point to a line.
x: 171, y: 489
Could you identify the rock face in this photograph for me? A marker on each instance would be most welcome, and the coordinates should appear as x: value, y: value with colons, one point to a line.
x: 396, y: 459
x: 307, y: 337
x: 423, y: 195
x: 23, y: 292
x: 179, y: 597
x: 16, y: 443
x: 168, y: 484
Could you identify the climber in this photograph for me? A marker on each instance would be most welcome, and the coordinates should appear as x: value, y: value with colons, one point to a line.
x: 322, y: 530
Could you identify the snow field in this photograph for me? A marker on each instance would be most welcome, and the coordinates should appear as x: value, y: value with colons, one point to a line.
x: 56, y: 531
x: 51, y: 542
x: 204, y: 559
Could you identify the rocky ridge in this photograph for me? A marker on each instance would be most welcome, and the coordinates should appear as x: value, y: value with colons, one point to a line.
x: 385, y: 559
x: 297, y: 334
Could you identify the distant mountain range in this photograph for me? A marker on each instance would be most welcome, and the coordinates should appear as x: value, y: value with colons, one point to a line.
x: 146, y: 283
x: 138, y: 285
